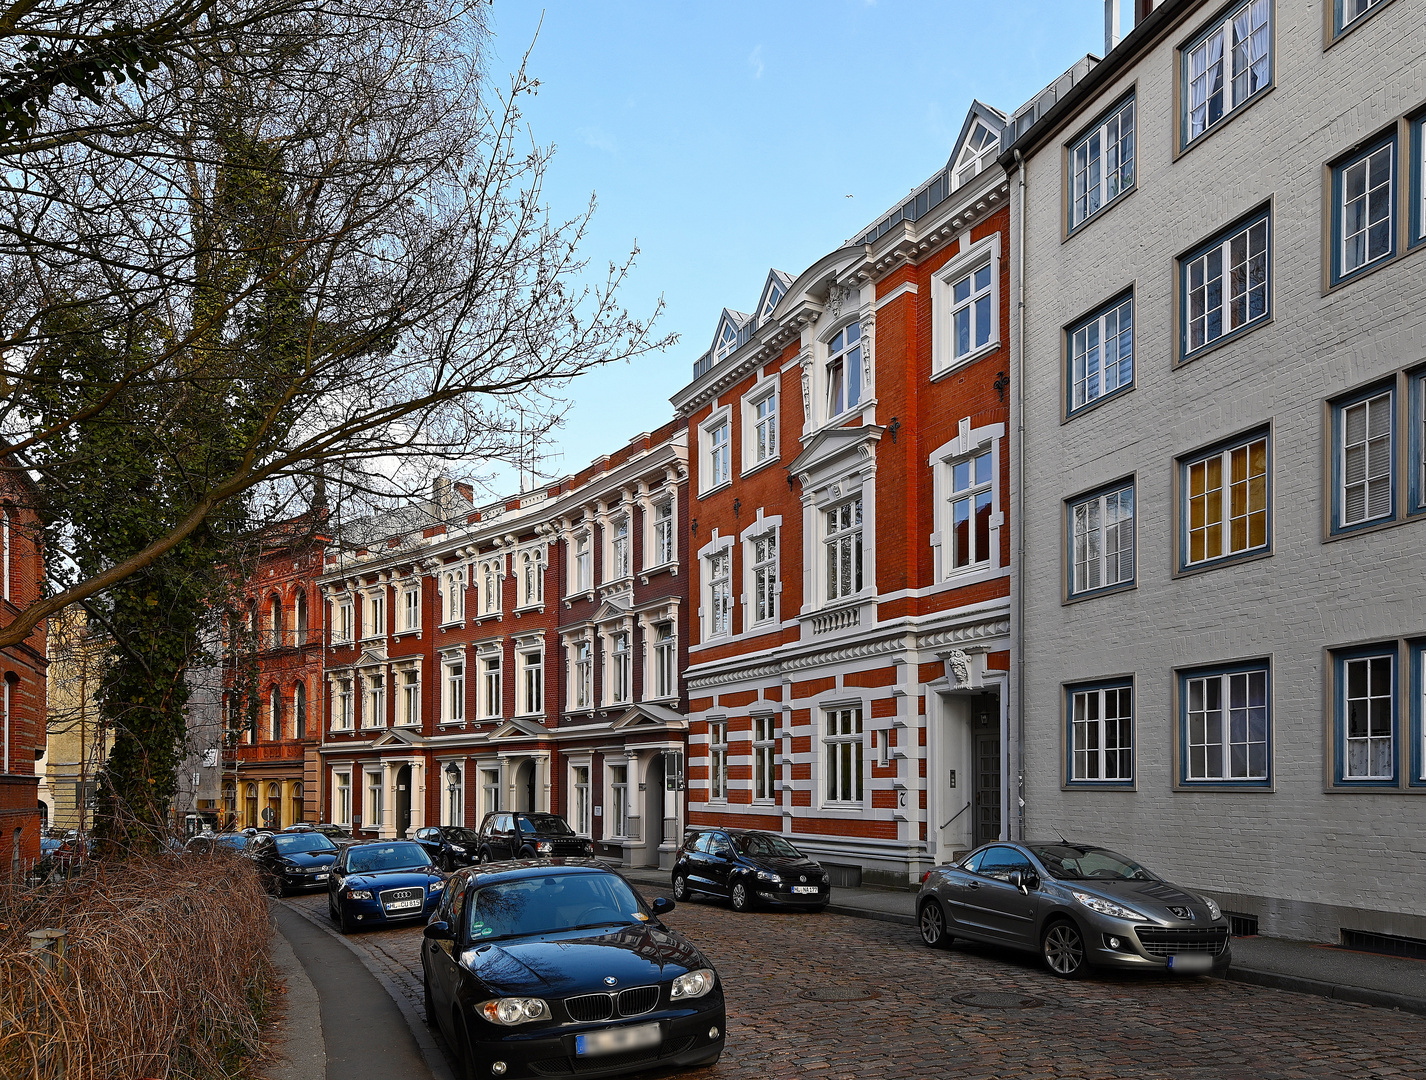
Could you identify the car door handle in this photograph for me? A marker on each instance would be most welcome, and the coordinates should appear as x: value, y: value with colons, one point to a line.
x: 972, y: 884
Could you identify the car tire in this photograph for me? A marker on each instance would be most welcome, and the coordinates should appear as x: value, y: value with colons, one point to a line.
x: 740, y: 895
x: 485, y: 856
x: 347, y: 922
x: 680, y: 888
x: 467, y: 1067
x: 332, y: 910
x: 1063, y: 950
x: 527, y: 853
x: 931, y: 921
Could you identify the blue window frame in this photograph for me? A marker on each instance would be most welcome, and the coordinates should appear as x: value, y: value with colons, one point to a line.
x: 1100, y: 350
x: 1416, y: 659
x: 1100, y: 162
x: 1225, y: 725
x: 1225, y: 66
x: 1364, y: 458
x: 1364, y: 195
x: 1416, y: 219
x: 1225, y: 495
x: 1416, y: 443
x: 1224, y: 284
x: 1101, y: 540
x: 1347, y: 14
x: 1099, y: 743
x: 1365, y: 716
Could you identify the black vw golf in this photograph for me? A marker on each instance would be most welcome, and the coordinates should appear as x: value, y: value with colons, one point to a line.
x: 558, y: 967
x: 749, y: 867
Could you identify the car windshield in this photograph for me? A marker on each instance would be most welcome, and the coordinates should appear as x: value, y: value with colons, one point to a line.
x: 461, y: 836
x: 236, y: 841
x: 759, y: 845
x: 292, y: 843
x: 551, y: 903
x: 545, y: 823
x: 1069, y: 862
x: 332, y: 830
x: 403, y: 856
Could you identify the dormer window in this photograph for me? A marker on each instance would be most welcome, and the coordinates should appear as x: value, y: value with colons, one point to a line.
x: 844, y: 370
x: 773, y: 296
x: 727, y: 342
x: 979, y: 150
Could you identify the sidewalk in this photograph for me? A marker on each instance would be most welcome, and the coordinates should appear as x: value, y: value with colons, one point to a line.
x: 1389, y: 982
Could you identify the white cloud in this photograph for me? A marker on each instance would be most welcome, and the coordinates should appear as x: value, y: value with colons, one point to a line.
x: 598, y: 138
x: 755, y: 61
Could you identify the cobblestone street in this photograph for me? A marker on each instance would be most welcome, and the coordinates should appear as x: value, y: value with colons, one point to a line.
x: 908, y: 1011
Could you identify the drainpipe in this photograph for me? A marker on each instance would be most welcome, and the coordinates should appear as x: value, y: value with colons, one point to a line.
x: 1017, y: 398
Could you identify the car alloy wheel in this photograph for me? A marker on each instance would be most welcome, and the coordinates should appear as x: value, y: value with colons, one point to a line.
x: 680, y: 887
x: 484, y: 857
x: 932, y: 923
x: 742, y: 899
x: 1063, y: 949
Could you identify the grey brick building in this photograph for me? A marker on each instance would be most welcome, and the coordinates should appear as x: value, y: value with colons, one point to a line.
x: 1219, y: 381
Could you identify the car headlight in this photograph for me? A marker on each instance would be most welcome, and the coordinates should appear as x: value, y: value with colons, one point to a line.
x: 359, y: 894
x: 458, y: 848
x: 544, y: 847
x: 436, y: 886
x: 1106, y: 907
x: 693, y: 985
x: 589, y: 847
x: 769, y: 876
x: 517, y: 1010
x: 1214, y: 911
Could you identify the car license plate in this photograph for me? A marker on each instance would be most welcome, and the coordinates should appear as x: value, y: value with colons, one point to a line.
x: 401, y: 905
x: 615, y: 1040
x: 321, y: 877
x: 1191, y: 963
x: 805, y: 890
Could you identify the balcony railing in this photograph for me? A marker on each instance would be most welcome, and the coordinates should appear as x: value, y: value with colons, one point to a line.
x: 831, y: 621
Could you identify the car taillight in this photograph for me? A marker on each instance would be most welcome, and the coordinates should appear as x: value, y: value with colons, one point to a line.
x: 925, y: 876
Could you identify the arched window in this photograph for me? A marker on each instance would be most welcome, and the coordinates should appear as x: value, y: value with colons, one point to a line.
x: 252, y: 620
x: 274, y: 712
x: 298, y: 809
x: 272, y: 812
x: 274, y: 621
x: 299, y: 617
x: 299, y: 711
x: 250, y: 807
x: 5, y: 550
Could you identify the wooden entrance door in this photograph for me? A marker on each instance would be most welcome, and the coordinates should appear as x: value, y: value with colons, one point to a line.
x: 987, y: 788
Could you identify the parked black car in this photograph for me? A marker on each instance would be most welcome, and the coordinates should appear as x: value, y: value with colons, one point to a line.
x: 216, y: 843
x: 548, y: 968
x: 289, y: 862
x: 450, y: 846
x: 508, y: 834
x: 337, y: 834
x: 749, y: 867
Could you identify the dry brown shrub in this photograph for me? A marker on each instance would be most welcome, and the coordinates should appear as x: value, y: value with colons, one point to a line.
x: 166, y: 974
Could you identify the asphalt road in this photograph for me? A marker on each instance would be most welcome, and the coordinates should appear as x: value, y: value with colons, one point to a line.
x: 828, y: 996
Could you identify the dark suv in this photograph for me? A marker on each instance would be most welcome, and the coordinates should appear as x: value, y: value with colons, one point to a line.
x: 748, y: 867
x: 508, y: 834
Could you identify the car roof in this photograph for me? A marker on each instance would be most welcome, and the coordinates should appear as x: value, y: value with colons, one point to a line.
x: 377, y: 843
x: 519, y: 869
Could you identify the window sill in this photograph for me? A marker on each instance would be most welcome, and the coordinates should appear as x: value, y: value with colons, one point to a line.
x: 1341, y: 282
x: 413, y: 632
x: 1227, y: 339
x: 1099, y: 402
x: 1223, y: 560
x: 476, y: 620
x: 1074, y: 230
x: 1343, y: 532
x: 1263, y: 787
x: 1206, y: 136
x: 963, y: 362
x: 570, y: 598
x: 1335, y: 35
x: 650, y: 571
x: 722, y: 485
x: 528, y: 609
x: 761, y: 465
x: 1099, y: 785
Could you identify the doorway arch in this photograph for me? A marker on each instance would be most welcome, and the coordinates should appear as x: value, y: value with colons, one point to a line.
x: 525, y: 785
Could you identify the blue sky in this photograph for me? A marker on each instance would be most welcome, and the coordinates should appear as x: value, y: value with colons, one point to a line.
x: 726, y: 138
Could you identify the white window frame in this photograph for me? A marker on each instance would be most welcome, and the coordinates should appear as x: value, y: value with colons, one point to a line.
x: 1370, y: 197
x: 373, y: 611
x: 490, y: 699
x: 718, y: 761
x: 453, y: 687
x: 976, y: 494
x: 411, y: 607
x: 1209, y: 703
x: 763, y: 574
x: 452, y: 800
x: 663, y: 660
x: 715, y: 445
x: 1342, y: 22
x: 764, y: 759
x: 727, y: 343
x: 342, y: 797
x: 974, y: 158
x: 409, y: 705
x: 1087, y: 176
x: 662, y: 546
x: 1386, y: 655
x: 760, y: 426
x: 1227, y: 279
x: 581, y: 555
x: 852, y: 352
x: 579, y: 679
x: 489, y: 789
x: 581, y: 801
x: 944, y: 358
x: 1373, y: 439
x: 373, y: 705
x: 1088, y: 730
x: 343, y: 704
x: 1096, y: 507
x: 843, y: 739
x: 530, y: 661
x: 532, y: 576
x: 373, y: 806
x: 836, y: 536
x: 618, y: 819
x: 1219, y: 501
x: 717, y: 567
x: 343, y: 621
x: 490, y: 584
x: 619, y: 667
x: 1234, y: 70
x: 968, y: 444
x: 274, y: 713
x: 620, y: 546
x: 1118, y: 316
x: 452, y: 582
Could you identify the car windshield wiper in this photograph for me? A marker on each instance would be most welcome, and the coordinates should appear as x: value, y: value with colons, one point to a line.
x: 605, y: 922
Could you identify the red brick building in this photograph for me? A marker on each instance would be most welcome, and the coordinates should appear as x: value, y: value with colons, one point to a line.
x: 273, y: 683
x: 849, y: 554
x: 22, y: 696
x: 519, y: 656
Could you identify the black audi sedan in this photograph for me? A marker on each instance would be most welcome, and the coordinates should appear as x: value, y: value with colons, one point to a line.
x: 291, y: 862
x: 449, y: 846
x: 1077, y: 905
x: 558, y: 967
x: 382, y: 882
x: 749, y: 867
x: 515, y: 835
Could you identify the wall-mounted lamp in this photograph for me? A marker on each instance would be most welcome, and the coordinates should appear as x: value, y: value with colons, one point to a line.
x: 893, y: 427
x: 737, y: 505
x: 693, y: 526
x: 1002, y: 382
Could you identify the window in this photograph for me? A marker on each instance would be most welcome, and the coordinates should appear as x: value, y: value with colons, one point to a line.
x: 665, y: 661
x: 489, y: 590
x: 374, y: 793
x: 411, y: 608
x: 765, y: 427
x: 843, y: 743
x: 1101, y: 734
x: 490, y: 685
x: 619, y: 548
x: 727, y: 342
x: 1226, y: 499
x: 765, y: 577
x: 299, y: 617
x: 583, y: 564
x: 663, y: 532
x: 1225, y: 285
x: 764, y: 760
x: 972, y: 314
x: 844, y: 370
x: 410, y: 697
x: 621, y: 672
x: 843, y: 544
x: 1346, y: 12
x: 1227, y: 66
x: 343, y: 625
x: 532, y: 579
x: 343, y: 713
x: 1225, y: 725
x: 619, y: 800
x: 1417, y: 385
x: 1366, y: 715
x: 718, y: 760
x: 582, y: 677
x: 375, y: 615
x: 299, y: 711
x: 580, y: 802
x: 720, y: 592
x: 453, y: 699
x: 1364, y: 209
x: 979, y: 150
x: 532, y: 681
x: 1102, y: 540
x: 971, y: 508
x: 453, y: 594
x: 374, y: 708
x: 1101, y: 354
x: 1364, y: 459
x: 774, y: 294
x: 5, y: 553
x: 1417, y: 216
x: 274, y: 713
x: 274, y: 624
x: 720, y: 462
x: 342, y: 798
x: 490, y: 789
x: 1101, y: 163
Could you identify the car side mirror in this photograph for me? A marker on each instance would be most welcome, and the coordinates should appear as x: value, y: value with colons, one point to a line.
x: 1018, y: 880
x: 1031, y: 880
x: 661, y: 905
x: 439, y: 931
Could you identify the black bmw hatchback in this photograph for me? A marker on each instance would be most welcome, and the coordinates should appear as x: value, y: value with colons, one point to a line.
x: 548, y: 968
x: 749, y: 867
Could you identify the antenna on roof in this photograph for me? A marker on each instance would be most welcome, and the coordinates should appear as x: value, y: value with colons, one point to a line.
x: 1061, y: 835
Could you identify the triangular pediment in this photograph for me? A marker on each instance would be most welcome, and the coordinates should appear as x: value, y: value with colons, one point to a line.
x: 648, y: 715
x: 774, y: 289
x: 978, y: 143
x: 612, y: 609
x: 399, y: 737
x: 830, y: 444
x: 519, y: 728
x: 728, y: 335
x: 371, y: 658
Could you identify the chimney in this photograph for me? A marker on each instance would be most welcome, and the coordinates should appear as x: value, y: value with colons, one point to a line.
x: 1111, y: 24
